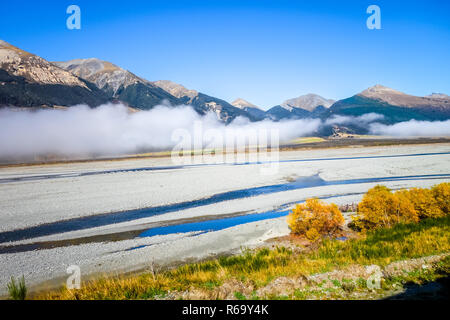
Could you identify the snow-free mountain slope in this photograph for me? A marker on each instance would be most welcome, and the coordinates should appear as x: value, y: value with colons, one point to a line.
x: 252, y: 109
x: 119, y: 83
x: 27, y: 80
x: 203, y: 103
x: 394, y: 105
x: 308, y: 102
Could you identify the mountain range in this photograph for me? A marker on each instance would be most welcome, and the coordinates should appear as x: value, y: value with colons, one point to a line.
x: 117, y: 83
x: 394, y: 105
x: 29, y: 81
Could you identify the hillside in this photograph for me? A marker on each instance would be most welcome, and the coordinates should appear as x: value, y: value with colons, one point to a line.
x: 394, y: 105
x: 203, y: 103
x: 118, y: 83
x: 27, y: 80
x: 252, y: 109
x: 139, y: 93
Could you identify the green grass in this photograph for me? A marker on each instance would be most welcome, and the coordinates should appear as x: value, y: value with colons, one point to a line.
x: 258, y: 268
x: 17, y: 289
x: 239, y: 296
x: 403, y: 241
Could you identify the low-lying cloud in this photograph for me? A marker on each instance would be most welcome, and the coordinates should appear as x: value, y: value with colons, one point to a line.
x: 359, y: 120
x: 112, y: 129
x: 413, y: 128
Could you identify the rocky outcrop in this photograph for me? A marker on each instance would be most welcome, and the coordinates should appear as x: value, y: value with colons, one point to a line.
x: 27, y: 80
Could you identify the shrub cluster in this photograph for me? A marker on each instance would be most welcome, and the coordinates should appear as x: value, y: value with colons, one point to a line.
x: 381, y: 208
x: 441, y: 193
x: 315, y: 218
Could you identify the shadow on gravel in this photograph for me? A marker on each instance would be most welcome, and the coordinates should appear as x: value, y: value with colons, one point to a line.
x: 434, y: 290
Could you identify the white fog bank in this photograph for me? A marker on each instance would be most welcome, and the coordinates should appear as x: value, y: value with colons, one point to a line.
x: 112, y: 129
x: 413, y: 128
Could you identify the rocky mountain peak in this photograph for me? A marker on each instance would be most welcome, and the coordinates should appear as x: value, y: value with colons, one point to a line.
x: 242, y: 104
x: 397, y: 98
x: 103, y: 74
x: 83, y: 67
x: 307, y: 102
x: 18, y: 62
x: 378, y: 91
x: 175, y: 89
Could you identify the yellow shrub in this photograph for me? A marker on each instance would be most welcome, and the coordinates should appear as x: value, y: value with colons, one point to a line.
x: 423, y: 201
x: 381, y: 208
x: 315, y: 218
x: 441, y: 193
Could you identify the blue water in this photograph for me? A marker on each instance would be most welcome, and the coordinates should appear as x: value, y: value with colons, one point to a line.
x: 213, y: 225
x: 124, y: 216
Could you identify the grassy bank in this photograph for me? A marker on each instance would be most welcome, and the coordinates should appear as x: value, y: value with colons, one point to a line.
x: 294, y: 272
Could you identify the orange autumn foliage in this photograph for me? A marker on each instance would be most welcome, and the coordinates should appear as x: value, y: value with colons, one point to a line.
x: 314, y: 219
x: 441, y: 194
x: 380, y: 208
x: 423, y: 201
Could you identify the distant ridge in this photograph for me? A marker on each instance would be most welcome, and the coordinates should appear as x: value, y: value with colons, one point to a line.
x: 241, y: 104
x: 203, y: 103
x: 308, y: 102
x: 250, y: 108
x: 394, y: 105
x: 308, y: 105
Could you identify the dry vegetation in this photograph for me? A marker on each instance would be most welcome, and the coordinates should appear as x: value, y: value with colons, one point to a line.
x: 272, y: 273
x: 408, y: 248
x: 382, y: 208
x: 316, y: 218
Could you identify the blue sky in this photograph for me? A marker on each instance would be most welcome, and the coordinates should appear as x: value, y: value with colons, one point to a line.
x: 262, y: 51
